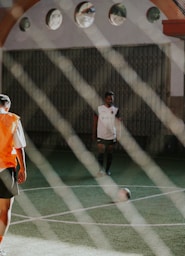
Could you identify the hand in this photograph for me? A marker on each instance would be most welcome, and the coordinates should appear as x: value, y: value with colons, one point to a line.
x: 21, y: 176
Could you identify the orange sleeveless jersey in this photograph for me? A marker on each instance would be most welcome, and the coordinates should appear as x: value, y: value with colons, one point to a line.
x: 8, y: 123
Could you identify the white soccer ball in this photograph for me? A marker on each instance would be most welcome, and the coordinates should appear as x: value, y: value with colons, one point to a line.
x: 124, y: 194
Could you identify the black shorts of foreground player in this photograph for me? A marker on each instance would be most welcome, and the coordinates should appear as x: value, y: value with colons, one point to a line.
x: 105, y: 122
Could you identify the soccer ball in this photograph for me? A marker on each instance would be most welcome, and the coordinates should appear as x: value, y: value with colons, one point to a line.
x: 124, y: 194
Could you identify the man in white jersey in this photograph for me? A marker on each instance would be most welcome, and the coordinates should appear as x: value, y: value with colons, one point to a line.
x: 104, y: 130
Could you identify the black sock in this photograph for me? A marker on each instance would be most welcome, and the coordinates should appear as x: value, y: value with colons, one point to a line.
x: 109, y: 161
x: 100, y: 159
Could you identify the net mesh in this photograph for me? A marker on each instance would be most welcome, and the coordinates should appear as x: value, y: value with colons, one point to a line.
x: 86, y: 157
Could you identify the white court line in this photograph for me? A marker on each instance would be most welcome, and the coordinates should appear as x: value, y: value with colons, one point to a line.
x: 89, y: 186
x: 116, y: 224
x: 45, y: 217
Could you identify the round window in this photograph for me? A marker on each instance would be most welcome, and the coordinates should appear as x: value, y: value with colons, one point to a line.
x: 153, y: 14
x: 117, y: 14
x: 84, y: 14
x: 24, y: 24
x: 54, y: 19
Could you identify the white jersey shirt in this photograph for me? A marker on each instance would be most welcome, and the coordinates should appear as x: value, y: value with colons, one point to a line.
x: 19, y: 139
x: 106, y: 128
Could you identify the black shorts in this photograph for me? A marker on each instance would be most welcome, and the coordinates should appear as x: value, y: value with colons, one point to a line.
x: 106, y: 142
x: 8, y: 183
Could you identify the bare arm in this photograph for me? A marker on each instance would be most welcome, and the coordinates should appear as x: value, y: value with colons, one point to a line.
x: 118, y: 125
x: 94, y: 132
x: 22, y: 175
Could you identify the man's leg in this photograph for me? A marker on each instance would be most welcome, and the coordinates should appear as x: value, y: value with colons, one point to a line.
x: 5, y: 215
x: 101, y: 151
x: 109, y: 158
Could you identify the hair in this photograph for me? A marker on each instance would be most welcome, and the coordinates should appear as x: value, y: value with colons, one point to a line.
x: 5, y: 101
x: 109, y: 93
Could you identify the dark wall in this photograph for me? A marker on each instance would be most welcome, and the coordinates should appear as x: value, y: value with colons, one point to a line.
x: 149, y: 61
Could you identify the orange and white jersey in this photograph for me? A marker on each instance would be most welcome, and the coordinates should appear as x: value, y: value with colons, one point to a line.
x: 11, y: 136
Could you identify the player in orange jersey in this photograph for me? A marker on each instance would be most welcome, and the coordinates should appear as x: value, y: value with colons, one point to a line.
x: 12, y: 157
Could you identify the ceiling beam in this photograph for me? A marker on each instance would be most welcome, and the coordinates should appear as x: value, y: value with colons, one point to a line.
x: 169, y: 8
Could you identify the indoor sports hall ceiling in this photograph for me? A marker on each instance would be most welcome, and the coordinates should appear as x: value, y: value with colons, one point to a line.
x: 174, y: 10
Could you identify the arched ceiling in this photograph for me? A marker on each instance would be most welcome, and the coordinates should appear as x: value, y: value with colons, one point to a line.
x: 12, y: 15
x: 168, y: 7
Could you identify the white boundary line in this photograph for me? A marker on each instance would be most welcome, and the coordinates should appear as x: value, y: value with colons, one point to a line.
x: 117, y: 225
x: 46, y: 217
x: 85, y: 186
